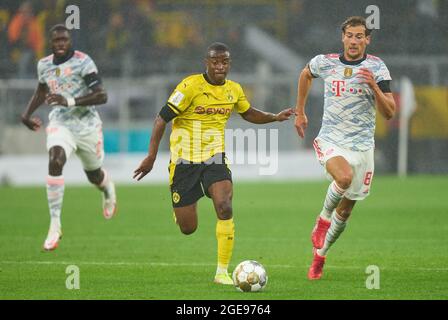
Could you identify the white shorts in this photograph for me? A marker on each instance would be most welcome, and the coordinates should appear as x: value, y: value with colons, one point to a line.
x: 88, y: 147
x: 362, y: 164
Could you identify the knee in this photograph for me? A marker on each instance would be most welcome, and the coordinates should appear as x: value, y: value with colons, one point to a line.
x: 94, y: 179
x: 224, y: 210
x: 56, y: 162
x: 188, y: 228
x: 344, y: 180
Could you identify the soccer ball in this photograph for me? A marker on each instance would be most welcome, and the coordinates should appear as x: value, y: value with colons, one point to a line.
x: 250, y: 276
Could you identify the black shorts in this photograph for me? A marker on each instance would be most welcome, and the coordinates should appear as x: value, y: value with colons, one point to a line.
x: 190, y: 181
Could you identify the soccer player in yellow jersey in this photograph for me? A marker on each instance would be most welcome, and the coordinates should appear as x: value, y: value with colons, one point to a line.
x: 200, y: 107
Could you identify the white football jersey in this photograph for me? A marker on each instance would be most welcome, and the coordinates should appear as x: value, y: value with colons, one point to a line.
x: 349, y: 106
x: 66, y: 79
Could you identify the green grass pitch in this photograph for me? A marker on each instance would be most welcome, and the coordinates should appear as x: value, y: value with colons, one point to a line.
x: 401, y: 228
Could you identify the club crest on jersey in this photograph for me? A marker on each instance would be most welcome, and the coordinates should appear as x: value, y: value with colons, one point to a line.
x: 348, y: 72
x: 57, y: 72
x: 229, y: 96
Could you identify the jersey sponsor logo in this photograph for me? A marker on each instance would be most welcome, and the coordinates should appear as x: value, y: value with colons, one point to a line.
x: 338, y: 86
x: 211, y: 110
x: 176, y: 98
x: 55, y: 87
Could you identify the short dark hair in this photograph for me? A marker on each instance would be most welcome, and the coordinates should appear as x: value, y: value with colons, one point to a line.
x: 217, y: 46
x: 354, y: 22
x: 58, y: 27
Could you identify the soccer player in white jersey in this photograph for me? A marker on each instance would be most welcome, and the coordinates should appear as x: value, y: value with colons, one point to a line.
x: 69, y: 83
x: 356, y: 85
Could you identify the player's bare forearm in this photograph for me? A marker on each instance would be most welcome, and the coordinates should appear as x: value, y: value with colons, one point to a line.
x: 385, y: 103
x: 156, y: 137
x: 36, y: 101
x: 96, y: 97
x: 256, y: 116
x: 303, y: 89
x: 147, y: 164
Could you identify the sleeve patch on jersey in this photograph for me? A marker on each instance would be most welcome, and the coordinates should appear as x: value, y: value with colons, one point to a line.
x: 176, y: 98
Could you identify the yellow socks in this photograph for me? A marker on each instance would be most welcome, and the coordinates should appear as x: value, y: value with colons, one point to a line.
x: 225, y: 233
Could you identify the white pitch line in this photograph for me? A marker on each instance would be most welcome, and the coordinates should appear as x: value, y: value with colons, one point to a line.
x: 101, y: 263
x: 199, y: 264
x: 145, y: 264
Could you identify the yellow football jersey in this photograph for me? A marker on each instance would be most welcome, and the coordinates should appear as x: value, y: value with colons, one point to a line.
x: 202, y: 111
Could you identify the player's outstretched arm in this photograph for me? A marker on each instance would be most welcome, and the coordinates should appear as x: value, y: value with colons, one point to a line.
x: 146, y: 165
x: 303, y: 88
x: 36, y: 101
x: 96, y: 97
x: 256, y: 116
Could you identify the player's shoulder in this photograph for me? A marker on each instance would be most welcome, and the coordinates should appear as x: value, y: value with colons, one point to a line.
x: 193, y: 78
x: 371, y: 57
x: 374, y: 60
x: 233, y: 84
x: 192, y: 81
x: 45, y: 61
x: 331, y: 56
x: 327, y: 58
x: 81, y: 56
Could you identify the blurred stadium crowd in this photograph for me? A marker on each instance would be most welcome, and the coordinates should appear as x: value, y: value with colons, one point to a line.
x: 140, y: 37
x: 144, y: 47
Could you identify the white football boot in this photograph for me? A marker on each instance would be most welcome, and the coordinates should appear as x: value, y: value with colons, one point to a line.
x: 52, y: 240
x: 109, y: 201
